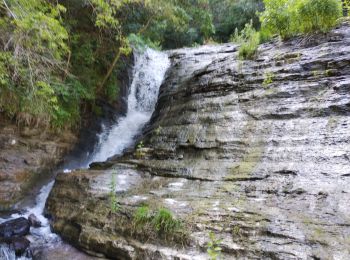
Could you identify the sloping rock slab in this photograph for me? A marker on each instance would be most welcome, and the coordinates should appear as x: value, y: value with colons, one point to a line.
x: 257, y: 152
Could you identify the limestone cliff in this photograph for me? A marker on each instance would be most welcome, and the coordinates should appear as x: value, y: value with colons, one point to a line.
x: 256, y: 151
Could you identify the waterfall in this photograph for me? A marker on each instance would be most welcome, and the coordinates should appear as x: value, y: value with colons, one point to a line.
x: 149, y: 69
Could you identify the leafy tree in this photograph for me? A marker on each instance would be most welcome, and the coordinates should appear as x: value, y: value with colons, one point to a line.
x: 33, y: 50
x: 231, y: 14
x: 58, y: 57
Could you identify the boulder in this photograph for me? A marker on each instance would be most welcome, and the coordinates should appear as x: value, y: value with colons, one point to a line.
x: 34, y: 221
x: 19, y: 245
x: 15, y: 228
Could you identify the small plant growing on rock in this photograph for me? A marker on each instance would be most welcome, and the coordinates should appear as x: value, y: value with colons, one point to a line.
x: 139, y: 150
x: 213, y: 248
x: 249, y: 40
x: 112, y: 194
x: 158, y: 130
x: 142, y: 216
x: 165, y: 222
x: 268, y: 79
x: 159, y: 222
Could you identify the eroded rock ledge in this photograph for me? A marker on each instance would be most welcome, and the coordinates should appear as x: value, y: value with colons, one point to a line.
x: 256, y: 151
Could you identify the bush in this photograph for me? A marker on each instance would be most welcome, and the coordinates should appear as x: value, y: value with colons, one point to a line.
x: 291, y: 17
x: 248, y: 39
x: 32, y: 61
x: 278, y: 17
x: 318, y: 15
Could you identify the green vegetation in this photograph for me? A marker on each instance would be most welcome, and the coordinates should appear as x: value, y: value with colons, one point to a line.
x: 318, y: 15
x: 33, y: 47
x: 112, y: 194
x: 58, y: 58
x: 291, y: 17
x: 213, y: 247
x: 288, y: 18
x: 268, y: 79
x: 230, y: 15
x: 158, y: 130
x: 165, y: 222
x: 142, y: 216
x: 160, y: 221
x: 140, y: 153
x: 249, y: 40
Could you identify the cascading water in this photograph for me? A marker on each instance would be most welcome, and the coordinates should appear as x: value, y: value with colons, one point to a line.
x: 148, y: 73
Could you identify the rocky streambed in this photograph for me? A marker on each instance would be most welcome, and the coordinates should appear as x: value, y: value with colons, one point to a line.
x: 255, y: 152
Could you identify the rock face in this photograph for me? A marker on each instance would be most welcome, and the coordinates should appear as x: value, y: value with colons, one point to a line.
x: 26, y: 155
x: 257, y: 152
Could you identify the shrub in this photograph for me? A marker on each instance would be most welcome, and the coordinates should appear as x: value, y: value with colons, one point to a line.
x: 213, y: 248
x: 229, y: 15
x: 346, y: 7
x: 248, y: 39
x: 291, y: 17
x: 278, y: 17
x: 318, y: 15
x: 265, y: 35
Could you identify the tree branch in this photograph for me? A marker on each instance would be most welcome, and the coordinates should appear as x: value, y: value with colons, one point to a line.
x: 9, y: 10
x: 110, y: 70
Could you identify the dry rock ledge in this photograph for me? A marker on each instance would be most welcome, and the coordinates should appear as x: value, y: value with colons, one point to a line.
x: 257, y: 152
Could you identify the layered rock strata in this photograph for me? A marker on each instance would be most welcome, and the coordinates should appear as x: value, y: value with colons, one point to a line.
x: 257, y: 152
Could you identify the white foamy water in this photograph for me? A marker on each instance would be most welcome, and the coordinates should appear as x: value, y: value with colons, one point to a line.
x: 148, y: 74
x: 7, y: 254
x: 149, y: 71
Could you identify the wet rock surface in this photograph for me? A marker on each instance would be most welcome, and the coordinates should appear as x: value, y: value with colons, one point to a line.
x: 34, y: 221
x: 15, y: 228
x: 19, y: 245
x: 13, y: 232
x: 26, y: 155
x: 257, y: 152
